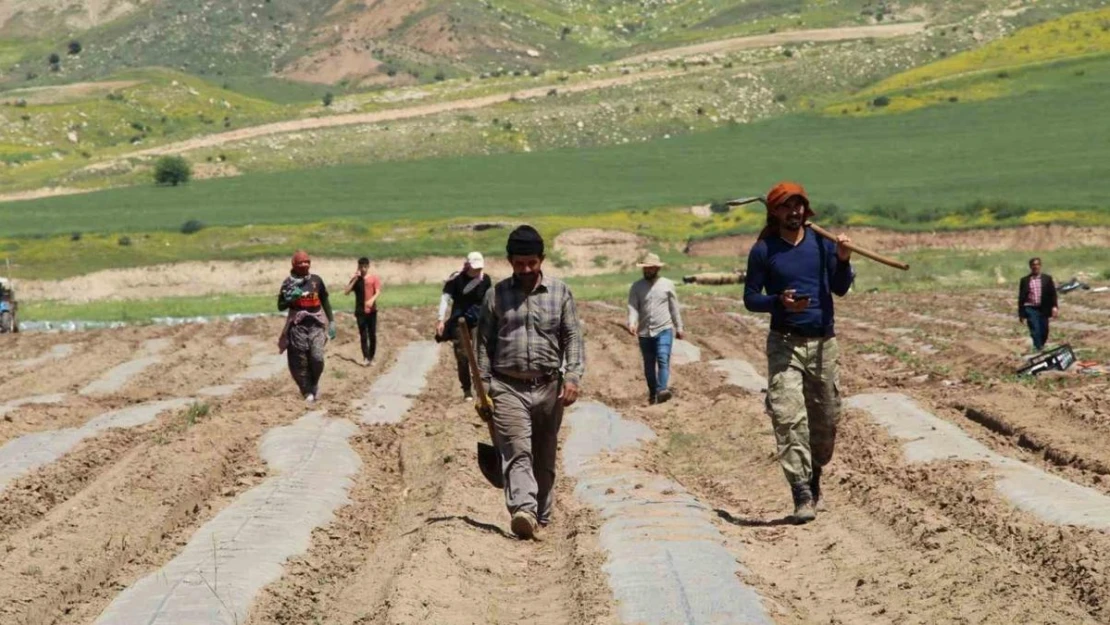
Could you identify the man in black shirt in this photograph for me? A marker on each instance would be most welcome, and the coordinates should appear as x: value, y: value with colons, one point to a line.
x: 465, y: 291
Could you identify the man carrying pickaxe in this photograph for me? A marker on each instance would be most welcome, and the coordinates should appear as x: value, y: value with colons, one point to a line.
x: 792, y: 274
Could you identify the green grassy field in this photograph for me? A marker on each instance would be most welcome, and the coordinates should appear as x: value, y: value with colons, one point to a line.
x: 1006, y: 149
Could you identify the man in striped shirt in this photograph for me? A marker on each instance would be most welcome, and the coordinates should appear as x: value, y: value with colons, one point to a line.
x: 531, y: 358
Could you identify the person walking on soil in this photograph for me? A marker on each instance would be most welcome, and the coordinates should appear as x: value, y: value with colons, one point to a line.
x: 527, y: 329
x: 1037, y: 303
x: 793, y: 274
x: 654, y: 317
x: 308, y: 325
x: 464, y: 293
x: 366, y: 287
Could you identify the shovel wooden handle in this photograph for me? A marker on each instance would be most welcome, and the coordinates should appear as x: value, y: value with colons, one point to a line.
x: 479, y: 389
x: 889, y: 262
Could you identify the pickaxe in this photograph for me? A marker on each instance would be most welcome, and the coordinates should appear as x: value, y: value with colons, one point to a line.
x: 889, y: 262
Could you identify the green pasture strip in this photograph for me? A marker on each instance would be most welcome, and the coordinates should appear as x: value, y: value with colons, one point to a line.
x: 1006, y: 149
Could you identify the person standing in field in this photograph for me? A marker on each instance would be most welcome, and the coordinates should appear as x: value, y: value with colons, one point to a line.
x: 463, y: 294
x: 528, y: 328
x: 366, y: 287
x: 1037, y: 303
x: 793, y: 274
x: 654, y: 317
x: 308, y: 325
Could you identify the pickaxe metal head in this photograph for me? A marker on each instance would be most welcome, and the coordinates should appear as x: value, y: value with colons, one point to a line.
x: 746, y: 200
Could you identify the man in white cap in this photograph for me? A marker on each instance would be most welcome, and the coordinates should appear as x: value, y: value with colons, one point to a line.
x: 654, y: 317
x: 464, y: 293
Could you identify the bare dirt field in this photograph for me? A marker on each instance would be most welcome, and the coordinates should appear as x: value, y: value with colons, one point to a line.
x: 1024, y: 238
x: 586, y: 251
x: 423, y: 539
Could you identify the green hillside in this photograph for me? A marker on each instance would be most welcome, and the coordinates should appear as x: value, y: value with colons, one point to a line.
x: 923, y: 162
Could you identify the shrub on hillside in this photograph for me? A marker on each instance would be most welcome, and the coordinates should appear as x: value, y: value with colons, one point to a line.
x: 124, y: 241
x: 55, y: 61
x: 172, y: 170
x: 328, y: 98
x: 74, y: 48
x: 192, y: 226
x: 881, y: 101
x: 831, y: 215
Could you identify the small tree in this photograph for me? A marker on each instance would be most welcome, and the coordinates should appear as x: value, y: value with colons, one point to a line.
x: 172, y: 170
x: 192, y: 226
x: 328, y: 98
x: 74, y: 47
x: 55, y: 61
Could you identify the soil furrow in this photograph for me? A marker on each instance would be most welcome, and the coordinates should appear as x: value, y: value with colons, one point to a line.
x: 139, y: 511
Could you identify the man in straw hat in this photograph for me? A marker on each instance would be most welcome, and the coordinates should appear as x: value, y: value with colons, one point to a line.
x: 654, y: 317
x: 793, y: 274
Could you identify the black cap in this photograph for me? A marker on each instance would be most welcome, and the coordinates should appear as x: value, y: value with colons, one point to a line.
x: 525, y: 241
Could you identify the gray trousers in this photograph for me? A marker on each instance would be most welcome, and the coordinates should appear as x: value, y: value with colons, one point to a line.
x: 526, y: 418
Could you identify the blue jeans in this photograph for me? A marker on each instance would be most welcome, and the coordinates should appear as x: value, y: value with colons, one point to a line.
x: 1038, y: 327
x: 656, y: 351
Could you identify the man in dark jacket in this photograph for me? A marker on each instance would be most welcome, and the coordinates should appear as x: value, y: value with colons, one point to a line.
x: 463, y: 294
x: 1037, y: 303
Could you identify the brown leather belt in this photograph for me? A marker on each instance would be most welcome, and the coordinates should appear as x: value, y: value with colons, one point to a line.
x: 538, y: 380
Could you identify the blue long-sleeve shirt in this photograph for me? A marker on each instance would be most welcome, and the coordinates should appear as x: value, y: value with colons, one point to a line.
x: 775, y: 266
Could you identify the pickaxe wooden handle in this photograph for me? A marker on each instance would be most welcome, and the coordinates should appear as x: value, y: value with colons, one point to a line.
x: 879, y: 258
x: 866, y: 253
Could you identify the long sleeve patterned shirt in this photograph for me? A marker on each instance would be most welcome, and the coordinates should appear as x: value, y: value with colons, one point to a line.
x: 526, y: 333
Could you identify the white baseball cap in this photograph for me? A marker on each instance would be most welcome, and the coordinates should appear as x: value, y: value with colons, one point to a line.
x: 475, y: 260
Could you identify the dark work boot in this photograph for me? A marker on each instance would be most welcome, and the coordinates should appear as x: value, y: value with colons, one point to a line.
x: 815, y: 487
x: 804, y: 512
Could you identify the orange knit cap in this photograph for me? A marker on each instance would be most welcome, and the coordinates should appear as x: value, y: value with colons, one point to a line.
x: 783, y: 191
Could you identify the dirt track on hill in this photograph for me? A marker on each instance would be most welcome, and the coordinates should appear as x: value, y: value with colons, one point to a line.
x: 879, y: 31
x: 424, y: 540
x: 421, y: 110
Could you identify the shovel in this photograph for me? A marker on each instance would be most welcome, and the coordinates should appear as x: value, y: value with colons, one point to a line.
x: 489, y: 459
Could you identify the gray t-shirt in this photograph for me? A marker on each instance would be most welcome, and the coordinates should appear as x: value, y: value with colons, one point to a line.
x: 653, y: 307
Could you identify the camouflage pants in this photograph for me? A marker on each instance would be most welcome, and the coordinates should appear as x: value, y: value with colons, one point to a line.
x: 306, y: 356
x: 803, y: 399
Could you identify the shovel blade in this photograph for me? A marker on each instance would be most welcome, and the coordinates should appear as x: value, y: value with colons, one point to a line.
x: 489, y: 461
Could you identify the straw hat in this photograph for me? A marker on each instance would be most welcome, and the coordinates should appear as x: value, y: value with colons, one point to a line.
x: 651, y: 260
